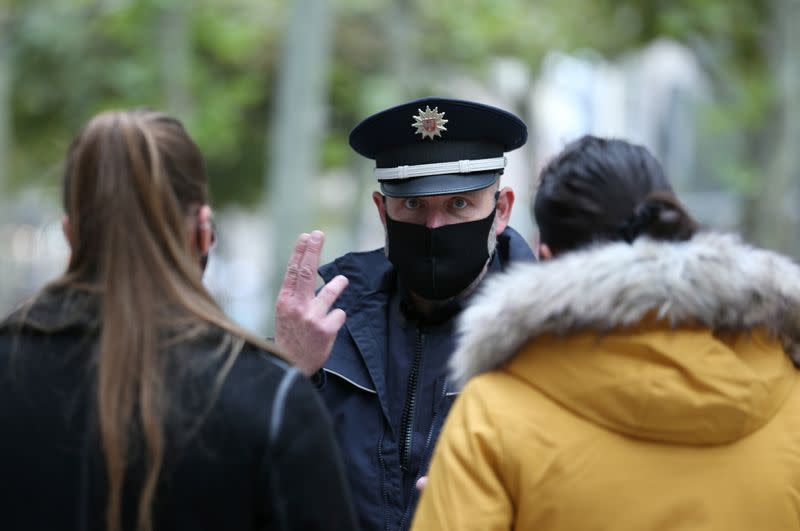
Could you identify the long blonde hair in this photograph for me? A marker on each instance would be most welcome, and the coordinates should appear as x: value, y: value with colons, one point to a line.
x: 131, y: 183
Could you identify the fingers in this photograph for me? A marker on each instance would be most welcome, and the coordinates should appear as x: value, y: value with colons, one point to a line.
x: 308, y: 265
x: 329, y: 293
x: 421, y: 483
x: 298, y: 301
x: 290, y: 279
x: 301, y: 273
x: 335, y: 320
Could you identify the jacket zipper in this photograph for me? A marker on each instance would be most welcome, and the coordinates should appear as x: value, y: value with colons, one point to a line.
x: 428, y: 450
x: 383, y: 485
x: 425, y: 456
x: 407, y: 424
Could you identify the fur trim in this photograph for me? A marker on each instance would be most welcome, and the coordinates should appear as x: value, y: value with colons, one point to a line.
x: 713, y: 279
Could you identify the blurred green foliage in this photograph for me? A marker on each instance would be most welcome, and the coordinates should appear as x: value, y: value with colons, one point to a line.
x: 71, y: 59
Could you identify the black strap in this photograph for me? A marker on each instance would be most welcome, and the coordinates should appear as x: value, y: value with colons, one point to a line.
x: 279, y: 405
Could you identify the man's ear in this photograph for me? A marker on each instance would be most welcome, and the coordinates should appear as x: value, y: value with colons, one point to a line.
x: 378, y: 199
x: 544, y: 252
x: 505, y: 202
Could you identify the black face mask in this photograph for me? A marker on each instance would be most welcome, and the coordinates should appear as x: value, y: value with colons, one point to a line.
x: 439, y: 263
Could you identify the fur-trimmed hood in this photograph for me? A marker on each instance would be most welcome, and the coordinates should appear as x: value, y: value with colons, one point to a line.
x: 671, y: 342
x: 713, y: 280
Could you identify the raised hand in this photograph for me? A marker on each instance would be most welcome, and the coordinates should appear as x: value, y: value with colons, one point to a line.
x: 305, y: 326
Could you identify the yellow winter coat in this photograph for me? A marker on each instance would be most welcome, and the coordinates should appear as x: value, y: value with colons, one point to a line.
x: 643, y: 387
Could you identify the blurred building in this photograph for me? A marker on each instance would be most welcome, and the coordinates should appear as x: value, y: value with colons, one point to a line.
x: 652, y: 97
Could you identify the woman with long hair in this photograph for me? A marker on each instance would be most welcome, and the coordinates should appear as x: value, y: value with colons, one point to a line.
x: 639, y: 378
x: 128, y: 400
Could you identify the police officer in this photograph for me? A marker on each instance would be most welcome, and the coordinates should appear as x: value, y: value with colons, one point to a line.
x: 383, y: 375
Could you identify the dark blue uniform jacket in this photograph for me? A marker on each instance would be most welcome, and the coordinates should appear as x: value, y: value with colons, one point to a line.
x: 385, y: 383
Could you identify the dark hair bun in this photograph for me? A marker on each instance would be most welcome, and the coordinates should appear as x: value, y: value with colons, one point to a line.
x: 660, y: 216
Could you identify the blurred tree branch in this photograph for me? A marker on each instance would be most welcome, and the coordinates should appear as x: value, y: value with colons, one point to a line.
x: 6, y: 69
x: 175, y: 43
x: 776, y: 202
x: 296, y: 128
x: 216, y: 65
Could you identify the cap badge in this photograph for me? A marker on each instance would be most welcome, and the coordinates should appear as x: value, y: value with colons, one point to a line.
x: 429, y: 123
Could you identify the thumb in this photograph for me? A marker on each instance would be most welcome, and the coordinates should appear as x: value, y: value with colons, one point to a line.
x: 421, y: 482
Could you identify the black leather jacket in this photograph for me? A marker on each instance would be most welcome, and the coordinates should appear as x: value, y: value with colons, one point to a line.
x: 262, y: 457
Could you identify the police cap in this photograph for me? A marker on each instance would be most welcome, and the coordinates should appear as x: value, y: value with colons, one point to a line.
x: 436, y: 146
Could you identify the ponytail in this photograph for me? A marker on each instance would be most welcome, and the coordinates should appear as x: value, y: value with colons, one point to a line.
x: 659, y: 216
x: 132, y: 182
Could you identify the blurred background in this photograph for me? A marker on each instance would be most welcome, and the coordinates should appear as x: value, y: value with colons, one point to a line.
x: 271, y: 88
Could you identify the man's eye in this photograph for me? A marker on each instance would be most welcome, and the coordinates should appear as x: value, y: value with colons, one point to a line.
x: 459, y: 203
x: 411, y: 203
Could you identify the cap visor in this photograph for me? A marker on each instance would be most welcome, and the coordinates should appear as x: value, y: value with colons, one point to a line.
x: 439, y: 184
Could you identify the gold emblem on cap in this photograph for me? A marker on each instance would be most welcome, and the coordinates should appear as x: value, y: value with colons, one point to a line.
x: 429, y: 123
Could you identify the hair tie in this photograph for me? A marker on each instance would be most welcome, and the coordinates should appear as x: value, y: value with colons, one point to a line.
x: 642, y: 217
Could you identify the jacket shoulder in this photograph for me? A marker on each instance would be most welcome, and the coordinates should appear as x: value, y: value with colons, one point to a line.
x: 255, y: 379
x: 514, y: 248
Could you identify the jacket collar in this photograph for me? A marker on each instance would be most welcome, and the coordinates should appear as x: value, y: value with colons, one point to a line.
x: 713, y: 280
x: 513, y: 248
x: 372, y: 280
x: 367, y: 273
